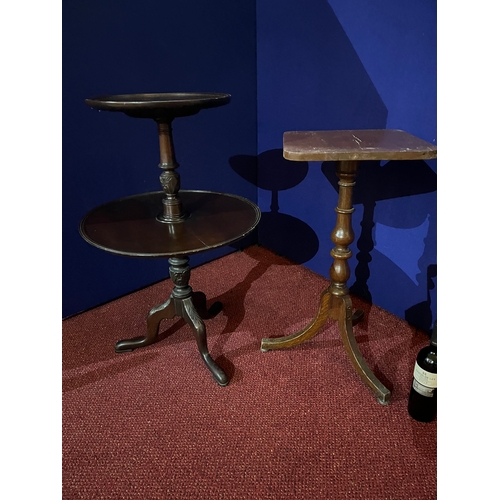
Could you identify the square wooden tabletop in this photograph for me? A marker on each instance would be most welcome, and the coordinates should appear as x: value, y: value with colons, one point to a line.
x: 334, y: 145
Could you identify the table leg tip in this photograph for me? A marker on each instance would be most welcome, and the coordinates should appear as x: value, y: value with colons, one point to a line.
x: 121, y: 347
x: 263, y: 346
x: 383, y: 400
x: 221, y: 381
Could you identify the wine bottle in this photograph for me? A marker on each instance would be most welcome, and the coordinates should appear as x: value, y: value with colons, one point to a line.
x: 422, y: 403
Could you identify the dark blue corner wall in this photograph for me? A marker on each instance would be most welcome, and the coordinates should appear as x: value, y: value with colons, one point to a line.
x: 114, y: 47
x: 346, y: 65
x: 289, y: 65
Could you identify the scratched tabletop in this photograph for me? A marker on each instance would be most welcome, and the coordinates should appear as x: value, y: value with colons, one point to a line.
x: 334, y: 145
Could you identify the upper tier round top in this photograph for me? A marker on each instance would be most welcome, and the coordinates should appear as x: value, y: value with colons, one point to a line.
x: 159, y: 106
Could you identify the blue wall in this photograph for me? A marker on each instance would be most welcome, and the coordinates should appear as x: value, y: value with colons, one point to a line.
x: 149, y: 46
x: 290, y: 65
x: 346, y: 65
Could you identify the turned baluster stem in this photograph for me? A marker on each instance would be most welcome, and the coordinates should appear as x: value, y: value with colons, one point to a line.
x: 180, y: 272
x: 343, y: 235
x: 169, y: 178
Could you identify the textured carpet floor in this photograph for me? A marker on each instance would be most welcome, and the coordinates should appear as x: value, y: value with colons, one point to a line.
x: 291, y: 424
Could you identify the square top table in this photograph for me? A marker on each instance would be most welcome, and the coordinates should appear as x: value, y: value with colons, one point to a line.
x: 347, y: 148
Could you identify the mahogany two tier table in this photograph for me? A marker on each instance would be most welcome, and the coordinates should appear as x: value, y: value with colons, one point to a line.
x: 171, y: 223
x: 347, y: 148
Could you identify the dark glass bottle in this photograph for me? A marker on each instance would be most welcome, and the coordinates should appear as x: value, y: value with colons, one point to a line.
x: 422, y: 403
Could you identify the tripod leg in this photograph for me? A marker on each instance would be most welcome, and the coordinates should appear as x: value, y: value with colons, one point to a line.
x: 346, y: 334
x: 195, y: 322
x: 306, y: 333
x: 158, y: 313
x: 200, y: 304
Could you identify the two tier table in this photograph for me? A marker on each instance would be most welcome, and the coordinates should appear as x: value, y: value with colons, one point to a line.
x: 347, y: 148
x: 171, y: 223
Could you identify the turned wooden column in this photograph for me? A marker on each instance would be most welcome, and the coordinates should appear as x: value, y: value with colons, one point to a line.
x: 170, y: 180
x: 343, y: 235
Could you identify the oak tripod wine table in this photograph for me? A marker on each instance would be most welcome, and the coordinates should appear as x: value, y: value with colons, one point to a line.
x: 171, y: 223
x: 347, y: 148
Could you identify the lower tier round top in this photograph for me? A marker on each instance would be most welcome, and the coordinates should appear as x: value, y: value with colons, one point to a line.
x: 159, y: 106
x: 129, y: 226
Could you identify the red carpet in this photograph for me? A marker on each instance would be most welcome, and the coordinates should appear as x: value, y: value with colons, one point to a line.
x: 291, y: 424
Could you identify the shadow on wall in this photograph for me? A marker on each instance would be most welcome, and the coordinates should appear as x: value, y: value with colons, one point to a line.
x: 309, y: 74
x: 284, y: 234
x: 394, y: 180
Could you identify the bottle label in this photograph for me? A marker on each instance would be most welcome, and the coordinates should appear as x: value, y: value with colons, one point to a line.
x: 428, y: 392
x: 424, y: 382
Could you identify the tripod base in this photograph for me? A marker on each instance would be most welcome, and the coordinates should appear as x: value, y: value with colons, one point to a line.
x: 184, y: 303
x: 338, y: 308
